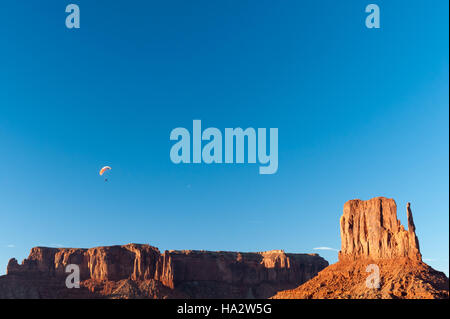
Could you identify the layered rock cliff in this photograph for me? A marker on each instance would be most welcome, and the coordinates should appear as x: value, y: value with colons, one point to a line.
x: 378, y: 259
x: 370, y: 229
x: 141, y: 271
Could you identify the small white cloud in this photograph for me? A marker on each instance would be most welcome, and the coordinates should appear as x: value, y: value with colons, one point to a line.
x: 326, y: 248
x: 11, y: 246
x: 429, y: 259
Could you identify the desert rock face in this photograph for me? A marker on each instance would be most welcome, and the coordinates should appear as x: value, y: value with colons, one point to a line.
x: 373, y: 238
x: 400, y: 278
x: 370, y: 229
x: 100, y: 263
x: 141, y: 271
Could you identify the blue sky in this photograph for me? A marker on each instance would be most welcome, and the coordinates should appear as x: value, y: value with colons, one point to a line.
x: 360, y: 113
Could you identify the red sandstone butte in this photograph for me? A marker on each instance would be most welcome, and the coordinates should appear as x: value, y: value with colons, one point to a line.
x: 141, y: 271
x: 371, y: 234
x: 370, y: 229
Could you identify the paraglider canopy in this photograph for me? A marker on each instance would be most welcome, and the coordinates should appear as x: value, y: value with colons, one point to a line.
x: 104, y: 169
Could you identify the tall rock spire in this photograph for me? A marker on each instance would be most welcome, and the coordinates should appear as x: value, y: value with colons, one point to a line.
x: 413, y: 240
x: 411, y: 226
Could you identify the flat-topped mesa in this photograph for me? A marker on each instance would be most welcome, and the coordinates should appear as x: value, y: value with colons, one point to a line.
x: 189, y: 272
x: 370, y: 229
x: 132, y: 261
x: 237, y: 268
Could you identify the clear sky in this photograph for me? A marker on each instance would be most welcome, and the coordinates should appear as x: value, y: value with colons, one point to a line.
x: 360, y: 113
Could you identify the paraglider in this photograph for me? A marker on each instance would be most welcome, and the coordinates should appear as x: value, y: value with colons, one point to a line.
x: 103, y: 170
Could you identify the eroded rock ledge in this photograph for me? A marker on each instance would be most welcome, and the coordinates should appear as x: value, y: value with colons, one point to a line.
x: 141, y: 271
